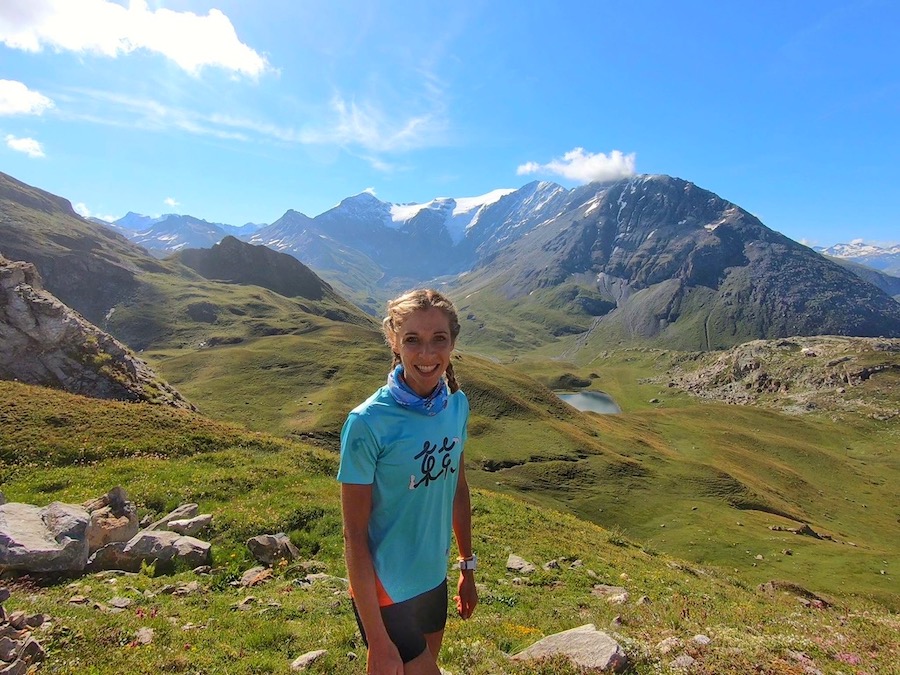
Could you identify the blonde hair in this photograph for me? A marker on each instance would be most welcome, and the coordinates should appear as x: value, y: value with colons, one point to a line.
x: 400, y: 308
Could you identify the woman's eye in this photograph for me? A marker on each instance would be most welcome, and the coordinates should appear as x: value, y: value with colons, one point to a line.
x: 410, y: 338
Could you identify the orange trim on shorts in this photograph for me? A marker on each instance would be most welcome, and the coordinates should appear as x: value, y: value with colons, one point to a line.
x: 384, y: 600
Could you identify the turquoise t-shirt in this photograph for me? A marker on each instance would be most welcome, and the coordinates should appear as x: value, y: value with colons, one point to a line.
x: 412, y: 462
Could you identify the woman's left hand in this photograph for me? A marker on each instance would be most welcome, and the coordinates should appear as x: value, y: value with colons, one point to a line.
x: 468, y: 594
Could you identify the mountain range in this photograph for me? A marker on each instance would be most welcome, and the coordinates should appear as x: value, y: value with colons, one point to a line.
x: 883, y: 258
x: 652, y: 258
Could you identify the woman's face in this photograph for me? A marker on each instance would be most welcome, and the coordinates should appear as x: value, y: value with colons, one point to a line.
x: 424, y: 343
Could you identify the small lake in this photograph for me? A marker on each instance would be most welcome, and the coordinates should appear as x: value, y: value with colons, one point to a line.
x: 590, y: 401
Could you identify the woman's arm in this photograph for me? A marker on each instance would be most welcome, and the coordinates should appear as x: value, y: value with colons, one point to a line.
x: 356, y: 504
x: 462, y: 529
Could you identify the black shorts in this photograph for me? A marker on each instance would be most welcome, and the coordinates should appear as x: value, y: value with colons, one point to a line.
x: 409, y: 621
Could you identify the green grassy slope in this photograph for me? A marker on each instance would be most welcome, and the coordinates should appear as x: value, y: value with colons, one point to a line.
x: 253, y: 483
x: 701, y: 480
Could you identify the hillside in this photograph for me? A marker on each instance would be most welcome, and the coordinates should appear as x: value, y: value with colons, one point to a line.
x: 253, y: 483
x: 696, y: 467
x: 890, y: 284
x: 143, y: 301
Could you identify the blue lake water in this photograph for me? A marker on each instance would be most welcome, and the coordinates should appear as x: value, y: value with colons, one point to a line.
x: 592, y: 401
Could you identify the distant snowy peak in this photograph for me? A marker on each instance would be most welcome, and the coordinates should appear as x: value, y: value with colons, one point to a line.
x: 883, y: 258
x: 459, y: 214
x: 858, y: 249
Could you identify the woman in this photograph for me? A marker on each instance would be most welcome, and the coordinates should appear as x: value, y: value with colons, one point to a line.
x: 403, y: 486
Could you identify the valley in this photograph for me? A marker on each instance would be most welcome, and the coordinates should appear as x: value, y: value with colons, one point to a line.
x: 734, y: 430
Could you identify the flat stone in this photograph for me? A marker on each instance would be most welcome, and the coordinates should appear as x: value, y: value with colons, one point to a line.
x: 302, y: 662
x: 585, y: 646
x: 518, y: 564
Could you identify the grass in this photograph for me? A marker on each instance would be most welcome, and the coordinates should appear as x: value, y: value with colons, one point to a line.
x: 253, y: 483
x: 744, y: 468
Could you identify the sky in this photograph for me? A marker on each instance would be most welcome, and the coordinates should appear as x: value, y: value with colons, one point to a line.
x: 235, y: 111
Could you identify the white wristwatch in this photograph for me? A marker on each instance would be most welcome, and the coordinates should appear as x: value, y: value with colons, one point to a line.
x: 468, y: 563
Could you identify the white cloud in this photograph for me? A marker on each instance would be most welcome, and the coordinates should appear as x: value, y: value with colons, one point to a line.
x: 585, y: 167
x: 17, y: 99
x: 82, y: 210
x: 110, y: 29
x: 29, y: 146
x: 169, y: 201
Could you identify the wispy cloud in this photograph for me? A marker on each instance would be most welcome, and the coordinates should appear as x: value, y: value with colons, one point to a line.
x: 29, y: 146
x: 103, y: 27
x: 169, y: 201
x: 361, y: 129
x: 17, y: 99
x: 367, y: 126
x: 585, y: 167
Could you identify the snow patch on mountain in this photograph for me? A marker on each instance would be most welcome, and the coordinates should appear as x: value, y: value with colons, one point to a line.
x: 459, y: 214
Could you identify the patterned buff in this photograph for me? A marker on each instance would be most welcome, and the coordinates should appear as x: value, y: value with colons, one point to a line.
x: 406, y: 397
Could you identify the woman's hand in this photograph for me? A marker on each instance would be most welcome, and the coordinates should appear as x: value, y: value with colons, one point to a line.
x: 383, y: 659
x: 467, y: 596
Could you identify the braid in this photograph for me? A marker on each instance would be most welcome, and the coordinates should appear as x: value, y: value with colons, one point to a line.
x: 451, y: 379
x: 395, y: 361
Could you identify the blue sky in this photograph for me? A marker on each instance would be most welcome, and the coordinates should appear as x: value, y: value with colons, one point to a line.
x: 236, y: 111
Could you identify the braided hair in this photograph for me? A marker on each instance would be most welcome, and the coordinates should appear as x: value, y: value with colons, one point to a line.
x: 402, y: 307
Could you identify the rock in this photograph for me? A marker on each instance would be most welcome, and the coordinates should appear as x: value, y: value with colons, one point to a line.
x: 182, y: 512
x: 108, y: 557
x: 114, y: 520
x: 8, y: 649
x: 53, y: 538
x: 701, y: 640
x: 302, y: 662
x: 683, y: 662
x: 32, y: 651
x: 162, y: 548
x: 614, y: 594
x: 144, y: 636
x: 585, y: 646
x: 191, y: 526
x: 17, y: 667
x: 255, y: 576
x: 44, y: 342
x: 670, y: 644
x: 270, y: 548
x: 515, y: 563
x: 245, y: 604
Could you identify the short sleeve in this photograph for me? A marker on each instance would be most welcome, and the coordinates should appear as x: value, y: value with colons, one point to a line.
x: 359, y: 452
x: 465, y: 424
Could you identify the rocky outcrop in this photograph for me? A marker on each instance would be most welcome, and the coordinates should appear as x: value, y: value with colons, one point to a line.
x: 100, y: 535
x: 798, y: 374
x: 44, y: 342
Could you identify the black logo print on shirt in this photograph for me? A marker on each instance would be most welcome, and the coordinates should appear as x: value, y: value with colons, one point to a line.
x: 431, y: 455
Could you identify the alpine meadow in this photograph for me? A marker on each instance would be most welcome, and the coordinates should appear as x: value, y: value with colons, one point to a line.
x: 738, y: 515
